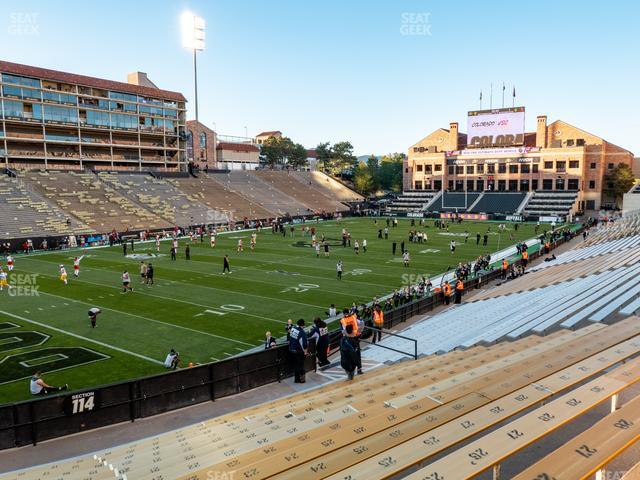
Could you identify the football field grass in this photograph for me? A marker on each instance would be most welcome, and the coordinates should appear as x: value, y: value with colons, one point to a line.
x: 193, y: 307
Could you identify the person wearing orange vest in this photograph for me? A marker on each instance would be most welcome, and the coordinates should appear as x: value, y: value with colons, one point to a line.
x: 505, y: 268
x: 349, y: 319
x: 459, y: 290
x: 547, y: 247
x: 378, y: 323
x: 447, y: 290
x: 525, y: 259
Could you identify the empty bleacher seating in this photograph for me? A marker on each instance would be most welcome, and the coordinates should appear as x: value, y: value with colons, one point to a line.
x: 548, y: 203
x: 94, y: 203
x: 328, y: 186
x: 215, y: 195
x: 258, y: 191
x: 305, y: 194
x: 163, y: 198
x: 26, y: 213
x: 498, y: 202
x: 412, y: 201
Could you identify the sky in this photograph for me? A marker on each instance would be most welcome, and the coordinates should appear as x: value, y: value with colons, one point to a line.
x: 381, y: 74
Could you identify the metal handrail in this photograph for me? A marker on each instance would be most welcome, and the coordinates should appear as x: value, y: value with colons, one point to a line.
x: 387, y: 332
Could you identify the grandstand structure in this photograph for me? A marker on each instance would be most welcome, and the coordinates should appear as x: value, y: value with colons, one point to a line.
x: 562, y: 168
x: 70, y: 202
x: 505, y: 370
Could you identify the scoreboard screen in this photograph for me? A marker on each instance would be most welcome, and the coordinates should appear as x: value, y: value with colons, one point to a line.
x: 495, y: 128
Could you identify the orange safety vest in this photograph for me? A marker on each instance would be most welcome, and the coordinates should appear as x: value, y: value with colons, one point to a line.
x: 447, y: 289
x: 525, y: 255
x: 459, y: 285
x: 547, y: 245
x: 350, y: 319
x: 505, y: 264
x: 378, y: 317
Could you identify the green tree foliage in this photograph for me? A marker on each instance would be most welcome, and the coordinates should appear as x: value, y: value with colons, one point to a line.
x: 363, y: 180
x: 377, y: 174
x: 323, y: 153
x: 619, y: 181
x: 281, y: 151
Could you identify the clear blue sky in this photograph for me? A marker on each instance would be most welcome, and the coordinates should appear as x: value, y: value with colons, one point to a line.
x: 336, y: 69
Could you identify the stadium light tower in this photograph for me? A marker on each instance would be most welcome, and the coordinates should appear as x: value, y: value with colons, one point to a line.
x: 192, y: 28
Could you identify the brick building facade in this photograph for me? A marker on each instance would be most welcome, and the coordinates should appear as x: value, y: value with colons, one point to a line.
x: 556, y: 157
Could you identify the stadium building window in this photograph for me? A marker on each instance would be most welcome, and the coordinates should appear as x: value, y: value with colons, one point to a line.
x: 592, y: 165
x: 451, y: 185
x: 559, y: 183
x: 459, y: 169
x: 480, y: 185
x: 513, y: 185
x: 480, y: 168
x: 547, y: 184
x: 502, y: 168
x: 470, y: 185
x: 513, y: 168
x: 534, y: 184
x: 438, y: 167
x: 428, y: 169
x: 610, y: 166
x: 524, y: 185
x: 580, y: 142
x: 450, y: 169
x: 502, y: 185
x: 203, y: 140
x: 574, y: 164
x: 592, y: 184
x: 573, y: 184
x: 470, y: 170
x: 535, y: 168
x: 525, y: 168
x: 491, y: 168
x: 418, y: 185
x: 418, y: 168
x: 561, y: 166
x: 548, y: 165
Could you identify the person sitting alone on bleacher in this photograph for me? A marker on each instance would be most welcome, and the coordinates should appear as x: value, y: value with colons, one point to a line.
x: 172, y: 360
x: 349, y: 352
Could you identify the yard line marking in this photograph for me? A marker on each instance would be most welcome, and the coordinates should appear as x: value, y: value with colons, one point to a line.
x: 228, y: 354
x: 271, y: 299
x: 154, y: 320
x: 239, y: 349
x: 138, y: 292
x: 102, y: 344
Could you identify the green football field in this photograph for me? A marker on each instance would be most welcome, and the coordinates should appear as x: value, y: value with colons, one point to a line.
x: 193, y: 307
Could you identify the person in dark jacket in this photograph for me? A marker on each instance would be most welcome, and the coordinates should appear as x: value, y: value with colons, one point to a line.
x: 320, y: 333
x: 298, y: 348
x: 270, y: 341
x: 349, y: 352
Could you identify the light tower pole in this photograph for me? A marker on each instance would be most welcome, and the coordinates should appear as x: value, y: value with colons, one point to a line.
x: 193, y: 38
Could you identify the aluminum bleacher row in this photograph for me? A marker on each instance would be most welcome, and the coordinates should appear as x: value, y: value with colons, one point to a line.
x: 598, y: 281
x: 42, y: 202
x: 383, y: 425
